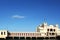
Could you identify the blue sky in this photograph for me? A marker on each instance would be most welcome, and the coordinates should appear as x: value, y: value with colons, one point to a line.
x: 26, y: 15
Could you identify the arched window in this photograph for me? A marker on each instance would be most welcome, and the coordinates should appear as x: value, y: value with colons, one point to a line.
x: 51, y: 30
x: 1, y: 33
x: 4, y: 33
x: 47, y: 29
x: 53, y: 33
x: 54, y: 29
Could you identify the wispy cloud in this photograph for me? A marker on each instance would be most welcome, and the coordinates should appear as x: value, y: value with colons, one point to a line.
x: 18, y: 16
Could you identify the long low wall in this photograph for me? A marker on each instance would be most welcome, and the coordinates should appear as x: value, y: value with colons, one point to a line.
x: 24, y: 34
x: 29, y: 34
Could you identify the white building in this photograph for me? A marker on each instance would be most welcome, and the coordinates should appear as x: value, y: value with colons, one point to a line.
x: 43, y: 30
x: 48, y: 30
x: 3, y: 33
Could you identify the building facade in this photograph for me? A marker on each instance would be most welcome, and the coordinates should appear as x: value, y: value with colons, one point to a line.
x: 3, y: 33
x: 43, y: 30
x: 48, y: 30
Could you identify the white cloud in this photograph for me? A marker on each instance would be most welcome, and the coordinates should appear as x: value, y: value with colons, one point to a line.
x: 18, y: 16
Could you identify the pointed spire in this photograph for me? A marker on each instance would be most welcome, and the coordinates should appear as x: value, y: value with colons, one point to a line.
x: 45, y: 23
x: 45, y: 19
